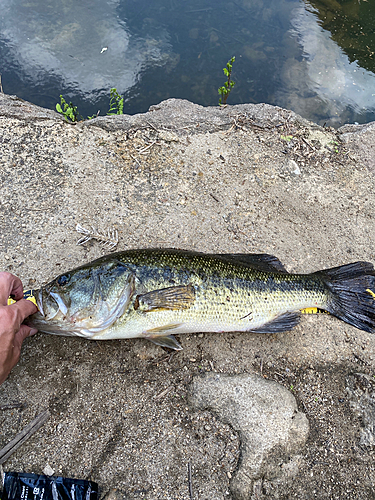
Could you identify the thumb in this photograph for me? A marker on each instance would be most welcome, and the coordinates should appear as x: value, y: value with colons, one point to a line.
x: 20, y: 336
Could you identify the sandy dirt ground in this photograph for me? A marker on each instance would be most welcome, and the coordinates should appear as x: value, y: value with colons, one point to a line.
x: 147, y: 423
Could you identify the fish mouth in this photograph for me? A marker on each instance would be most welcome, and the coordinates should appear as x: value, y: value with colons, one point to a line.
x: 50, y: 309
x: 50, y: 304
x: 39, y: 302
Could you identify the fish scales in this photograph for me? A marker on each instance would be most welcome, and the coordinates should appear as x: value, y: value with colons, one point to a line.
x: 155, y: 293
x: 229, y: 296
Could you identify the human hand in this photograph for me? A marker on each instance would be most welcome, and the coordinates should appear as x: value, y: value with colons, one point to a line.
x: 12, y: 331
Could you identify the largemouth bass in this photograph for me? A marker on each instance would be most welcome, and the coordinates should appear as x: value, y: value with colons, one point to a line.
x: 158, y: 293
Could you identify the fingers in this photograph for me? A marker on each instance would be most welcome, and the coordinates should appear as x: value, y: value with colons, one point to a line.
x: 11, y: 317
x: 12, y: 331
x: 19, y: 337
x: 9, y: 285
x: 24, y: 309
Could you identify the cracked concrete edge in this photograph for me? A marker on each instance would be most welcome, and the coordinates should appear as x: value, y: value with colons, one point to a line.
x: 195, y: 118
x: 12, y: 106
x: 186, y: 117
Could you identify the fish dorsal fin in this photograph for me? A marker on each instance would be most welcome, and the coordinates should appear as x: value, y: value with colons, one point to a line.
x: 172, y: 298
x: 260, y: 261
x: 282, y: 323
x: 167, y: 341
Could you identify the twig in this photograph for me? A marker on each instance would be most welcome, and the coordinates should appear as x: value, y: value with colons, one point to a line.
x: 135, y: 159
x: 214, y: 197
x: 142, y: 151
x: 162, y: 394
x: 152, y: 126
x: 190, y: 482
x: 27, y: 432
x: 1, y: 86
x: 11, y: 406
x: 307, y: 142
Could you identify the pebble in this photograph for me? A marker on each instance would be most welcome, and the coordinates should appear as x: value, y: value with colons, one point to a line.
x: 48, y: 471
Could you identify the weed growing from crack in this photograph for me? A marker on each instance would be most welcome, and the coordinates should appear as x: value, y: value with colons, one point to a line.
x: 225, y: 90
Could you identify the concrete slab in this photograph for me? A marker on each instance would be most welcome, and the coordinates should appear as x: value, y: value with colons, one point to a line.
x: 249, y: 178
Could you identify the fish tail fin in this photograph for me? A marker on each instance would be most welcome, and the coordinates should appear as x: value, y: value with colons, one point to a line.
x: 352, y: 294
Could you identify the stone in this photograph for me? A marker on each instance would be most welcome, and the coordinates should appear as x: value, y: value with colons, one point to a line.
x: 265, y: 415
x: 361, y: 390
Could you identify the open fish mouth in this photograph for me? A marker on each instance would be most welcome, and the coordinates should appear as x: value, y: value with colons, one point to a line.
x: 51, y: 308
x: 50, y: 305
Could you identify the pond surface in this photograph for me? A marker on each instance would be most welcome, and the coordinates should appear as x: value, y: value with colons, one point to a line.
x: 315, y: 57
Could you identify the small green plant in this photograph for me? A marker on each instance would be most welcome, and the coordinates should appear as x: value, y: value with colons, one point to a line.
x: 116, y: 103
x: 94, y: 116
x: 335, y: 145
x: 225, y: 90
x: 286, y: 138
x: 69, y: 111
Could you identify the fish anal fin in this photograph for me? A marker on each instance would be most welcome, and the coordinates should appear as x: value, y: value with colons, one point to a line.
x: 282, y: 323
x: 166, y: 341
x: 173, y: 298
x: 262, y: 262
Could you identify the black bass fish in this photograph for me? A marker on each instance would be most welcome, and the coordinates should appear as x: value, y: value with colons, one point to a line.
x: 156, y: 293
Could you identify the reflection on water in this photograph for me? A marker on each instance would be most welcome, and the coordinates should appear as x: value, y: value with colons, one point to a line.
x: 351, y: 24
x: 315, y: 57
x: 324, y: 83
x: 87, y: 47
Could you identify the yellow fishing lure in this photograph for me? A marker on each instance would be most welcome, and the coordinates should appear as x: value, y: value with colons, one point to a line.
x: 27, y: 294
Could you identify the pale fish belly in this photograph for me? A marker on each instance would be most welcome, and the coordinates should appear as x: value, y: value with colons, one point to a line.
x: 224, y: 310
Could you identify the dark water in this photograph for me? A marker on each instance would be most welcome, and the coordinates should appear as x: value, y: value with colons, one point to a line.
x: 315, y: 57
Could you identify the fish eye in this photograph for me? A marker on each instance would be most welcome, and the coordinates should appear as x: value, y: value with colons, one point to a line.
x: 63, y: 280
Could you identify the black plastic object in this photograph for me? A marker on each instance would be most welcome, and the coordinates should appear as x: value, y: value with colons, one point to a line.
x: 21, y: 486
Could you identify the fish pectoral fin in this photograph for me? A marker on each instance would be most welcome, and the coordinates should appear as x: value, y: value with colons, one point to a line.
x: 262, y: 261
x: 173, y: 298
x: 167, y: 341
x: 282, y: 323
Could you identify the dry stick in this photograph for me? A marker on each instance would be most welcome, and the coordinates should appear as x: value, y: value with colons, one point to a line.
x: 11, y: 406
x: 1, y: 87
x: 158, y: 396
x: 190, y: 481
x: 28, y: 431
x: 135, y: 159
x: 141, y: 151
x: 152, y: 126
